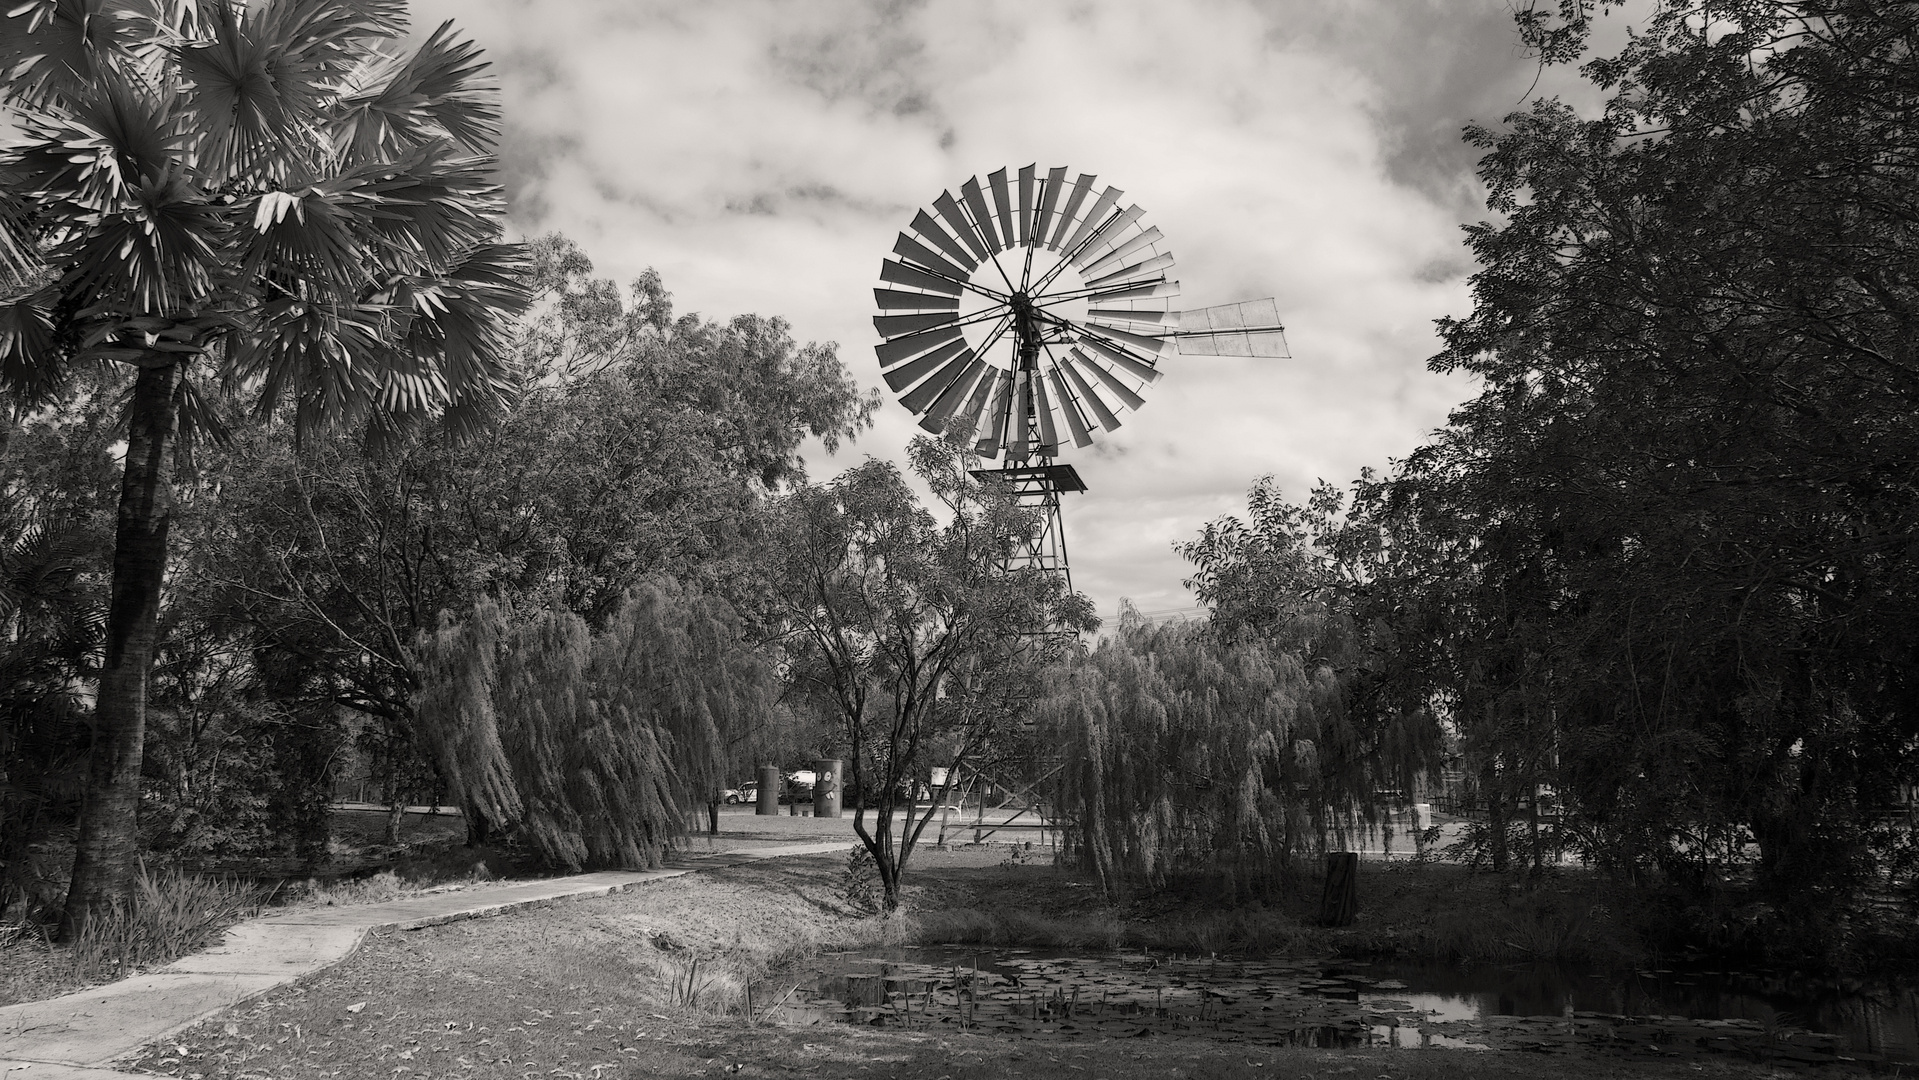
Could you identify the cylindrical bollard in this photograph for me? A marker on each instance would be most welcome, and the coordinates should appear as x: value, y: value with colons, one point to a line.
x: 768, y: 801
x: 1339, y: 900
x: 826, y: 787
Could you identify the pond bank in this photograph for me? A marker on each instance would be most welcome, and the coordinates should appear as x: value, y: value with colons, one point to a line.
x: 654, y: 983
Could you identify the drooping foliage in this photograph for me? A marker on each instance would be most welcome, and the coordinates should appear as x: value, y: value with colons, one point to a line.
x: 459, y: 671
x: 1186, y: 751
x: 595, y: 744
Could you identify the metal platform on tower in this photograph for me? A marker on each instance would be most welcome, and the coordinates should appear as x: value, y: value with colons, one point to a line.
x: 1039, y: 486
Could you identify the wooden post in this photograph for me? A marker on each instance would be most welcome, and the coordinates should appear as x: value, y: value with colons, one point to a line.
x: 1339, y: 902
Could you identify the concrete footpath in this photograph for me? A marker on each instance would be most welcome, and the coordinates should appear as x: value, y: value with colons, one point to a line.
x: 80, y: 1035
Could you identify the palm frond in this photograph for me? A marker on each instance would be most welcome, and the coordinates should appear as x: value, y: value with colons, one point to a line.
x: 20, y: 263
x: 314, y: 43
x: 31, y: 367
x: 159, y: 256
x: 51, y: 50
x: 316, y: 354
x: 90, y: 156
x: 459, y: 320
x: 425, y: 208
x: 199, y: 419
x: 307, y: 239
x: 240, y: 109
x: 393, y: 104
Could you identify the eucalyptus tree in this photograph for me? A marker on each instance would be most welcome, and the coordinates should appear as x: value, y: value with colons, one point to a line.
x: 286, y: 197
x: 907, y: 628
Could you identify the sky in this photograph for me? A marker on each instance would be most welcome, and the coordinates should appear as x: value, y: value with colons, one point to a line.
x: 762, y: 157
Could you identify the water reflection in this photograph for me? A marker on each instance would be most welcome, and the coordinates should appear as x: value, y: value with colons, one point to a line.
x: 1650, y: 1014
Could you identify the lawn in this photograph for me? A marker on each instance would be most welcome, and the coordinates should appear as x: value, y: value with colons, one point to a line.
x: 650, y: 983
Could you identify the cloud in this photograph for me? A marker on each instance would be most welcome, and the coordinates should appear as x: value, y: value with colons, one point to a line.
x: 762, y: 155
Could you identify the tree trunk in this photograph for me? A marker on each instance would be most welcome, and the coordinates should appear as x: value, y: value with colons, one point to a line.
x: 109, y: 812
x: 1496, y: 820
x: 712, y: 817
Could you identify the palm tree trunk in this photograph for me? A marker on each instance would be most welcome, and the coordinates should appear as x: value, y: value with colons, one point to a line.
x: 109, y: 814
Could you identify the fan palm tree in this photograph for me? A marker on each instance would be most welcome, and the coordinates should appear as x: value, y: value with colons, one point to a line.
x: 281, y: 196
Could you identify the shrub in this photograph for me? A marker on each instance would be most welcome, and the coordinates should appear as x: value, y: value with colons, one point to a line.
x: 171, y: 914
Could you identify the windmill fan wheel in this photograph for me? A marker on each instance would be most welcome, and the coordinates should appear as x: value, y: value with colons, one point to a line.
x: 1027, y: 309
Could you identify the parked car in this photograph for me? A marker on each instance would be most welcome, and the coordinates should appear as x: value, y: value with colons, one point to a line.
x: 739, y: 795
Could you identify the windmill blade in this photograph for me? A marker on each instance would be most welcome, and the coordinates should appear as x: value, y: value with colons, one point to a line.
x: 1107, y: 233
x: 976, y: 405
x: 942, y: 408
x: 905, y: 375
x: 955, y: 218
x: 1043, y: 409
x: 1248, y: 328
x: 1002, y: 201
x: 917, y: 399
x: 1074, y: 421
x: 1080, y: 189
x: 895, y: 300
x: 982, y: 217
x: 1130, y: 315
x: 996, y: 414
x: 1145, y: 371
x: 1152, y: 290
x: 911, y: 345
x: 1094, y: 217
x: 1049, y: 198
x: 891, y: 326
x: 1025, y: 205
x: 1120, y: 389
x: 1151, y: 346
x: 924, y: 224
x: 1114, y: 257
x: 908, y: 248
x: 900, y: 273
x: 1072, y: 364
x: 1137, y: 270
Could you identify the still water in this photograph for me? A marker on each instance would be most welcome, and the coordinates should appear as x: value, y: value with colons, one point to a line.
x: 1664, y: 1013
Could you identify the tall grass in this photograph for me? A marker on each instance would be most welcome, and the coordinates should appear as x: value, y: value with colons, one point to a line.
x: 170, y: 915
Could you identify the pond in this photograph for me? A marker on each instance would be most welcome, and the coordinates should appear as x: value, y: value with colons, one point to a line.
x: 1664, y: 1013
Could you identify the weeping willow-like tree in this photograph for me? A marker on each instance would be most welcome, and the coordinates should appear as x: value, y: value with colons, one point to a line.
x: 1189, y: 751
x: 594, y: 746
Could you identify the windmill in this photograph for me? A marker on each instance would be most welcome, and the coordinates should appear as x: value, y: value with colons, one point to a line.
x: 1038, y: 317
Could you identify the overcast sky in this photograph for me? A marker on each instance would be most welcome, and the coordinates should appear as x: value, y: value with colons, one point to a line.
x: 762, y: 157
